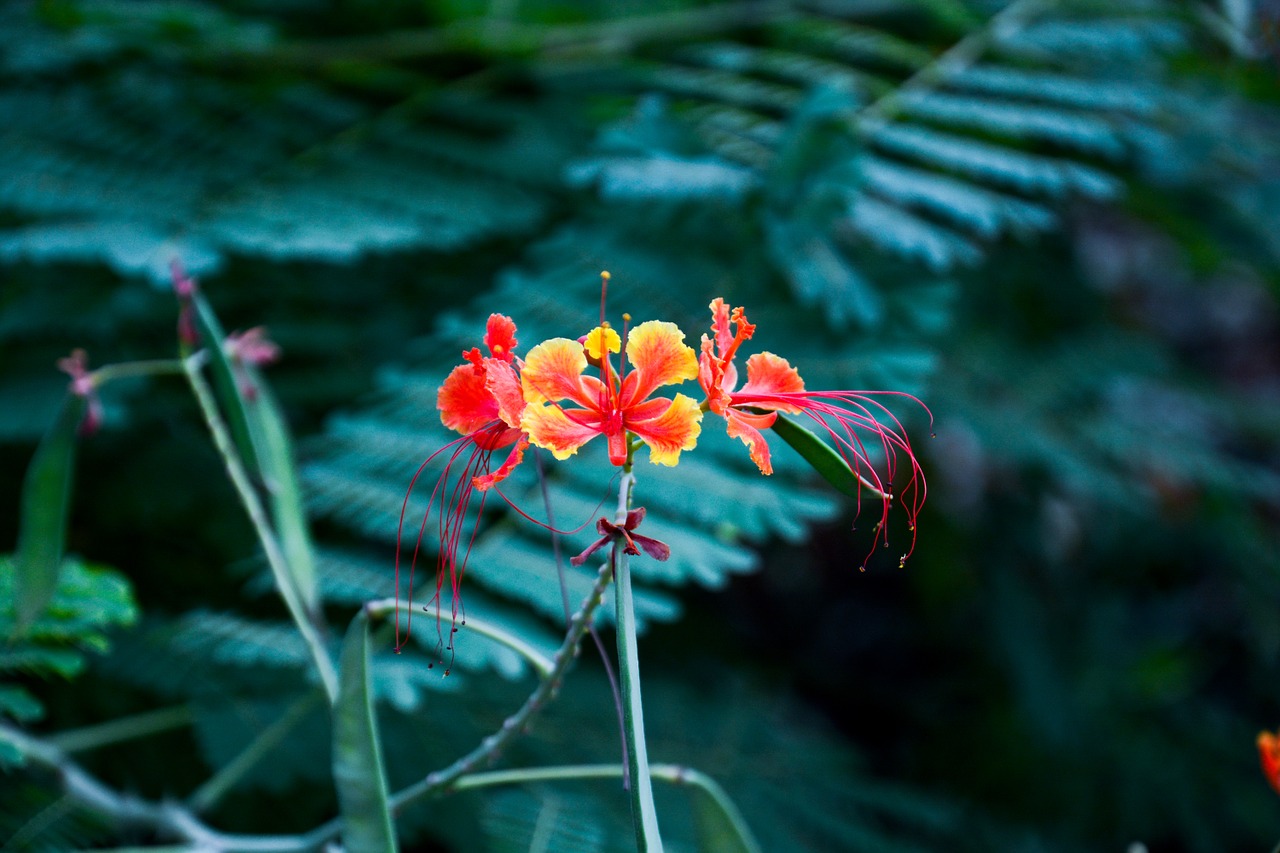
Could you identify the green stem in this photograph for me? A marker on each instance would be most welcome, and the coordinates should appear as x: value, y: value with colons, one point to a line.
x: 540, y: 662
x: 266, y: 535
x: 671, y: 773
x: 134, y: 369
x: 126, y: 728
x: 207, y: 795
x: 644, y: 814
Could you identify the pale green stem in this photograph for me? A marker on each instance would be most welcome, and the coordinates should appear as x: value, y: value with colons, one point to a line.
x: 261, y: 524
x: 445, y: 779
x: 644, y: 814
x: 540, y: 662
x: 207, y: 795
x: 671, y: 773
x: 136, y: 369
x: 126, y: 728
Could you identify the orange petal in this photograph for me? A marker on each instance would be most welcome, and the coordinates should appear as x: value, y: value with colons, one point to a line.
x: 503, y: 384
x: 553, y: 371
x: 485, y: 482
x: 658, y: 356
x: 465, y: 403
x: 769, y: 374
x: 560, y: 431
x: 675, y: 429
x: 500, y: 336
x: 747, y: 427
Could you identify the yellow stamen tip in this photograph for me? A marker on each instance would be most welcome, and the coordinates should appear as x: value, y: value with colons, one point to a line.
x: 604, y: 274
x: 626, y: 318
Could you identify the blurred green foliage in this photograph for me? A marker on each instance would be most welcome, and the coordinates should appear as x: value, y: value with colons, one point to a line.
x: 1055, y: 221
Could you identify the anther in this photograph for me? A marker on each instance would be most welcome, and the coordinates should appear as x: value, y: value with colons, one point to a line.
x: 626, y: 318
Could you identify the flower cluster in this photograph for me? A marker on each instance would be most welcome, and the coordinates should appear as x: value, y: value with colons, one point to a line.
x: 565, y: 392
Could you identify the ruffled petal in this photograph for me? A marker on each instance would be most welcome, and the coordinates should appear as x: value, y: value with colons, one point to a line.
x: 658, y: 356
x: 500, y: 336
x: 675, y: 429
x: 747, y: 427
x: 487, y: 481
x: 599, y: 339
x: 769, y: 375
x: 715, y: 378
x: 503, y: 384
x: 465, y: 403
x: 552, y: 428
x: 553, y: 371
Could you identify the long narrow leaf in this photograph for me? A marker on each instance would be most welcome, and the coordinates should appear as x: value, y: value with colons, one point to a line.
x: 46, y: 501
x: 270, y: 435
x: 357, y: 753
x: 822, y: 456
x: 225, y: 387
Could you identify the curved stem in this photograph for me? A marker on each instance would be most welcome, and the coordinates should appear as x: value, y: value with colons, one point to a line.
x: 644, y: 814
x: 135, y: 369
x: 544, y: 665
x: 674, y: 774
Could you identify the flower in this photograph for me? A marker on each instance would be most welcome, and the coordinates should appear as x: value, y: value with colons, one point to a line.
x: 632, y: 542
x: 83, y: 385
x: 613, y: 405
x: 773, y: 386
x: 1269, y: 753
x: 251, y: 348
x: 481, y: 399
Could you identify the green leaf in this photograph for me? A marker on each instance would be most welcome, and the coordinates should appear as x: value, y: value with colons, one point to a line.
x: 225, y: 385
x: 262, y: 439
x: 357, y: 754
x: 46, y: 500
x: 822, y: 456
x: 19, y: 704
x: 270, y: 435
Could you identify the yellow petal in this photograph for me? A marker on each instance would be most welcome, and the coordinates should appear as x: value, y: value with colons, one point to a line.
x: 601, y: 338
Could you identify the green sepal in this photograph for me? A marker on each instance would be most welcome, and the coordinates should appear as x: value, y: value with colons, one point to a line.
x: 46, y: 502
x: 358, y: 771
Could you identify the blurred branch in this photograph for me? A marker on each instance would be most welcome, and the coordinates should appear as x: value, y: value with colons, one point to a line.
x: 499, y: 37
x: 207, y: 795
x: 126, y: 728
x: 957, y: 58
x: 168, y: 819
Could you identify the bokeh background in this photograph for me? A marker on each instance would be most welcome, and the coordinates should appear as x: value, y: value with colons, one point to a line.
x: 1058, y: 223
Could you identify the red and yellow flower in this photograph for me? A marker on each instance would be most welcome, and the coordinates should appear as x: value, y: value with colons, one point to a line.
x: 773, y: 386
x: 566, y: 409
